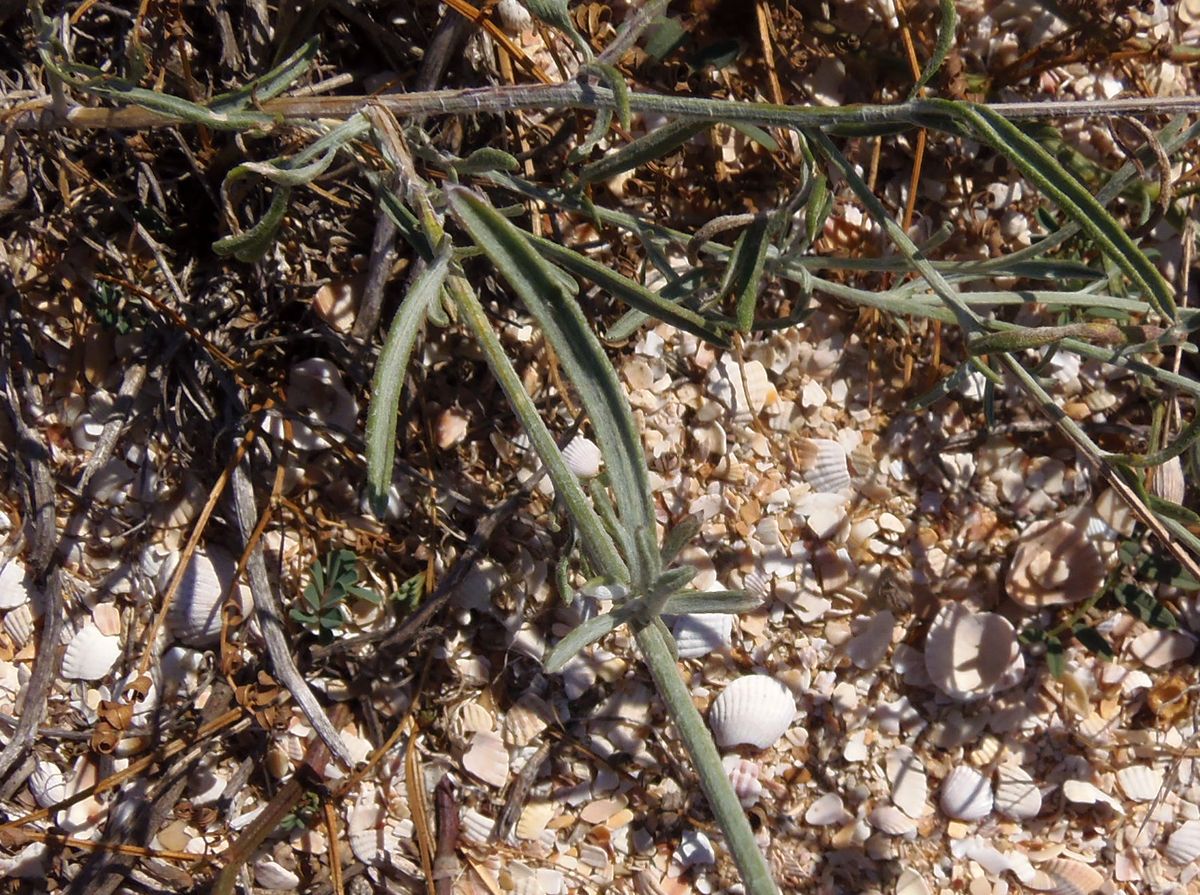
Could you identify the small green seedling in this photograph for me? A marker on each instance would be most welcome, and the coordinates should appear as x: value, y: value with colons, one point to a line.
x: 330, y: 584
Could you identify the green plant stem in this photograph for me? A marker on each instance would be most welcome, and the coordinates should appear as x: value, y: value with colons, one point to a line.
x: 756, y: 875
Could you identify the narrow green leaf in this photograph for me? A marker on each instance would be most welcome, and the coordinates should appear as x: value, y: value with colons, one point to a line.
x: 1056, y: 660
x: 757, y: 134
x: 663, y: 37
x: 585, y: 634
x: 616, y: 83
x: 945, y: 40
x: 251, y: 245
x: 1093, y: 641
x: 744, y: 274
x: 816, y: 210
x: 642, y: 150
x: 388, y: 381
x: 272, y: 83
x: 488, y: 158
x: 730, y: 602
x: 679, y: 537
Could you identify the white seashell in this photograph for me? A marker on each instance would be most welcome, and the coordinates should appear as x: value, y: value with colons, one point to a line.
x: 47, y: 784
x: 824, y: 465
x: 527, y: 717
x: 1063, y: 876
x: 533, y: 820
x: 1167, y: 481
x: 966, y: 794
x: 694, y: 848
x: 1140, y: 783
x: 967, y: 653
x: 891, y: 820
x: 317, y: 393
x: 583, y: 457
x: 513, y: 16
x: 468, y: 718
x: 1183, y: 846
x: 911, y: 883
x: 272, y: 875
x: 991, y: 859
x: 828, y: 810
x: 18, y: 623
x: 195, y: 613
x: 702, y: 633
x: 910, y: 787
x: 743, y: 775
x: 1083, y: 793
x: 90, y: 654
x: 743, y: 388
x: 451, y: 428
x: 1158, y: 649
x: 16, y: 587
x: 755, y: 710
x: 1055, y: 563
x: 1017, y: 796
x: 487, y: 758
x: 870, y: 645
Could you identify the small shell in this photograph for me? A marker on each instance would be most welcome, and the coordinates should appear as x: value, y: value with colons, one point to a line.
x: 1183, y: 846
x: 967, y: 653
x: 18, y: 623
x: 195, y: 613
x: 273, y: 875
x: 703, y: 633
x: 1158, y: 649
x: 528, y: 717
x: 756, y: 710
x: 891, y: 820
x: 966, y: 794
x: 827, y: 811
x: 1017, y: 796
x: 47, y: 784
x: 513, y: 16
x: 90, y: 654
x: 451, y: 428
x: 743, y: 775
x: 317, y: 393
x: 1063, y: 876
x: 1140, y: 783
x: 910, y: 787
x: 487, y: 758
x: 1083, y: 793
x: 534, y: 818
x: 743, y: 388
x: 911, y: 883
x: 824, y: 465
x: 870, y: 645
x: 1167, y: 481
x: 16, y: 587
x: 694, y: 848
x: 1055, y: 563
x: 583, y: 457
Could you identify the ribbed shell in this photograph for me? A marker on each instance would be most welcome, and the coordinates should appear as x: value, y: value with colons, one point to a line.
x: 1062, y: 876
x: 700, y: 634
x: 16, y: 588
x: 1183, y: 846
x: 824, y: 465
x: 1140, y: 783
x: 583, y: 457
x: 47, y: 784
x: 1017, y: 796
x: 966, y: 794
x: 90, y: 654
x: 754, y: 710
x: 891, y: 820
x: 195, y: 613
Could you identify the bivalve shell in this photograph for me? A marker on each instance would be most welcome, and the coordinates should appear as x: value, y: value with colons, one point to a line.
x: 966, y: 794
x: 826, y: 811
x: 1140, y: 783
x: 1158, y: 649
x: 1063, y: 876
x: 582, y: 457
x: 870, y: 645
x: 1183, y: 846
x: 487, y: 758
x: 754, y: 710
x: 911, y: 883
x: 703, y: 633
x: 47, y: 784
x: 824, y: 465
x: 743, y: 775
x: 90, y: 654
x: 274, y: 876
x: 967, y: 653
x: 195, y: 613
x: 16, y: 587
x: 891, y: 820
x: 910, y: 786
x: 1055, y: 563
x: 1017, y: 796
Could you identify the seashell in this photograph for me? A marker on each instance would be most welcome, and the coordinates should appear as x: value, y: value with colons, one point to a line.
x: 823, y: 464
x: 18, y: 623
x: 911, y: 883
x: 1140, y: 782
x: 513, y: 16
x: 827, y: 811
x: 1183, y: 846
x: 1167, y: 481
x: 583, y: 457
x: 1055, y: 563
x: 967, y: 653
x: 195, y: 613
x: 755, y: 710
x: 273, y: 875
x: 743, y: 776
x: 1063, y: 876
x: 468, y: 718
x: 16, y: 587
x: 891, y: 820
x: 451, y: 428
x: 703, y: 633
x: 528, y: 717
x: 487, y: 758
x: 47, y: 784
x: 1158, y: 649
x: 910, y: 787
x: 966, y: 794
x: 743, y: 388
x: 870, y: 645
x: 90, y: 654
x: 694, y: 848
x: 1017, y: 796
x: 533, y: 820
x: 992, y: 859
x: 316, y: 393
x: 336, y: 302
x: 1083, y: 793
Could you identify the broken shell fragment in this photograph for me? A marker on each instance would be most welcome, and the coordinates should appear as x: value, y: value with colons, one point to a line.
x: 487, y: 758
x: 891, y: 821
x: 826, y: 811
x: 1055, y: 563
x: 318, y: 396
x: 1158, y: 649
x: 755, y: 710
x: 703, y: 633
x: 966, y: 794
x: 1063, y: 876
x: 967, y: 653
x: 1167, y: 481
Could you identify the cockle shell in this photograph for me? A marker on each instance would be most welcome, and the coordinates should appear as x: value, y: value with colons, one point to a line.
x: 824, y: 465
x: 911, y: 883
x: 1140, y: 782
x: 743, y: 388
x: 703, y: 633
x: 743, y: 775
x: 1017, y: 796
x: 966, y: 794
x: 487, y: 758
x: 755, y: 710
x: 1167, y: 481
x: 1063, y: 876
x: 195, y: 613
x: 1083, y: 793
x: 583, y: 457
x: 1183, y: 846
x: 16, y: 587
x: 317, y: 393
x: 910, y: 787
x: 1055, y: 563
x: 967, y: 653
x: 274, y: 876
x: 18, y: 623
x: 47, y: 784
x: 90, y: 654
x: 891, y: 820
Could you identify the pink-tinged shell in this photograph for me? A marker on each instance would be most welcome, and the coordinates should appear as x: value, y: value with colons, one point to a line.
x: 90, y: 655
x: 826, y: 811
x: 824, y: 465
x: 755, y: 710
x: 1063, y: 876
x: 487, y: 758
x: 1158, y: 649
x: 317, y: 393
x: 966, y: 794
x: 967, y: 653
x: 870, y: 645
x: 743, y: 776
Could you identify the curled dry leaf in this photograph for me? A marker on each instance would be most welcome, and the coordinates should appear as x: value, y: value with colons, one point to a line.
x: 1055, y: 563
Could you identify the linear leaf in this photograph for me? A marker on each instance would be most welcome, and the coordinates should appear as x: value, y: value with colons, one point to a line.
x: 725, y: 601
x: 945, y: 40
x: 585, y: 634
x: 250, y: 245
x: 645, y: 149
